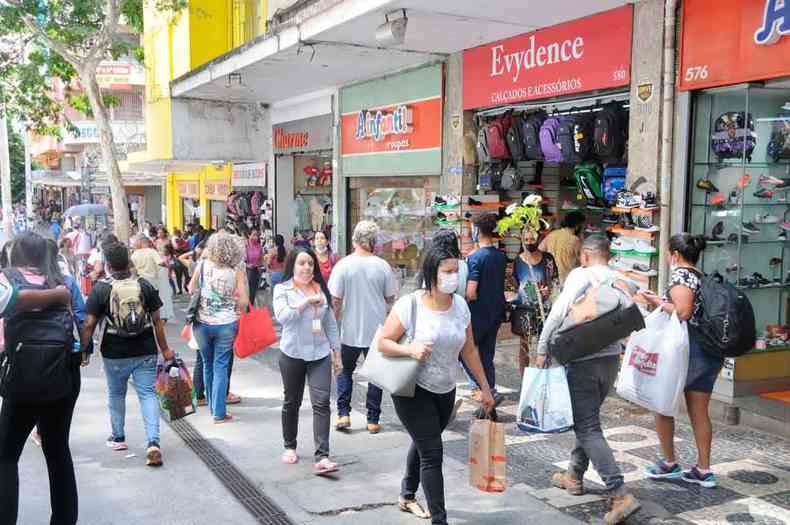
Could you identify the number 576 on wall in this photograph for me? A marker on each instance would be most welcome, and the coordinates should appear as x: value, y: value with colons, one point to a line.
x: 696, y: 73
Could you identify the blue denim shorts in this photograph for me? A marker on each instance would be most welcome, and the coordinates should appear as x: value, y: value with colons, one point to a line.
x: 703, y: 369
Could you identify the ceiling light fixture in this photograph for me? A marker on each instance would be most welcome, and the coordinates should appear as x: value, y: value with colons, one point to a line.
x: 393, y: 31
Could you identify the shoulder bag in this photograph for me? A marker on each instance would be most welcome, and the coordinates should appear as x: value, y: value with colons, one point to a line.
x: 194, y: 300
x: 396, y: 375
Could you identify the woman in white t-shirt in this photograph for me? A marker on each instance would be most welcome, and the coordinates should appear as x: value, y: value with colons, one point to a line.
x: 443, y: 330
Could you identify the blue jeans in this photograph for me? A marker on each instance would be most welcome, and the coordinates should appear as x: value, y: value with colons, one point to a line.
x: 345, y: 385
x: 216, y: 346
x: 142, y: 370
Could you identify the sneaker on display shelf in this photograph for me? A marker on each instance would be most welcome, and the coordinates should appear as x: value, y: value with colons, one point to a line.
x: 733, y: 198
x: 785, y: 226
x: 626, y: 199
x: 783, y: 236
x: 707, y: 185
x: 609, y: 218
x: 764, y: 193
x: 592, y: 230
x: 749, y: 228
x: 568, y: 205
x: 744, y: 181
x: 765, y: 218
x: 718, y: 231
x: 622, y: 244
x: 643, y: 269
x: 645, y: 223
x: 649, y: 201
x: 644, y: 247
x: 733, y: 238
x: 717, y: 200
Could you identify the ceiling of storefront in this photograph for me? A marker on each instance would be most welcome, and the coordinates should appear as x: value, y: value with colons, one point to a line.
x: 325, y: 55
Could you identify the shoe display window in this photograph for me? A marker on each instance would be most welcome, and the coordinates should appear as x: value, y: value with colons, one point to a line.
x: 738, y: 197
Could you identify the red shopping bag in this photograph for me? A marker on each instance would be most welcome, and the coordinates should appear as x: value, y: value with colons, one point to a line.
x: 256, y: 333
x: 186, y: 332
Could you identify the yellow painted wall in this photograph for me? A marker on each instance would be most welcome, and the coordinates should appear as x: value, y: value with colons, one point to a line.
x: 208, y: 173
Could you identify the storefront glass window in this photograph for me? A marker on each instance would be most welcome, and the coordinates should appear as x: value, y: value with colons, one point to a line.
x: 739, y: 195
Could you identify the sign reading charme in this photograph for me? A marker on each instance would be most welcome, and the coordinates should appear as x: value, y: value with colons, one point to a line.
x: 583, y: 55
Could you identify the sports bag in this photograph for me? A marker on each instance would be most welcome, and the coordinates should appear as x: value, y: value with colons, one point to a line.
x: 779, y: 145
x: 515, y: 142
x: 128, y: 317
x: 589, y: 179
x: 37, y: 365
x: 583, y: 132
x: 530, y: 134
x: 565, y: 138
x: 511, y: 179
x: 601, y: 316
x: 548, y: 140
x: 613, y: 181
x: 610, y: 133
x: 482, y: 146
x: 734, y: 136
x: 726, y: 325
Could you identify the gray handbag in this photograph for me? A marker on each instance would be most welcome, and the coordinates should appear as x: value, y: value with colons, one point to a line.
x: 396, y: 375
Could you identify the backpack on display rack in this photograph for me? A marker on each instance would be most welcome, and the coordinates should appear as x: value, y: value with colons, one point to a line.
x: 482, y: 146
x: 35, y: 366
x: 548, y: 139
x: 613, y: 181
x: 611, y: 133
x: 565, y: 138
x: 230, y: 204
x: 243, y: 204
x: 583, y: 132
x: 496, y: 136
x: 511, y: 178
x: 779, y: 145
x: 733, y: 136
x: 589, y: 180
x: 726, y: 325
x: 515, y: 142
x: 530, y: 134
x: 256, y: 202
x: 485, y: 181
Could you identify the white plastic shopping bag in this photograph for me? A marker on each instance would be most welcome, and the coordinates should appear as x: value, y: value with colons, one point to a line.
x: 545, y: 404
x: 655, y: 365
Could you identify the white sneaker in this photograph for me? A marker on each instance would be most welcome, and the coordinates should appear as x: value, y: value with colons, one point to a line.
x: 766, y: 218
x: 642, y: 246
x: 641, y: 269
x: 622, y: 244
x: 618, y: 263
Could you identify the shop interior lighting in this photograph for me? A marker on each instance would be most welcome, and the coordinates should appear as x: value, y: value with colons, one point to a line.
x: 393, y: 31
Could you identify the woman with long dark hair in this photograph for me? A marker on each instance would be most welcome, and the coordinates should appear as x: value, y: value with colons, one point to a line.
x: 255, y: 262
x: 441, y: 323
x: 29, y: 266
x: 309, y: 350
x: 276, y: 259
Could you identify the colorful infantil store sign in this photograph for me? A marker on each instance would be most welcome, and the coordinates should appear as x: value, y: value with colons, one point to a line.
x: 393, y: 125
x: 735, y: 41
x: 583, y: 55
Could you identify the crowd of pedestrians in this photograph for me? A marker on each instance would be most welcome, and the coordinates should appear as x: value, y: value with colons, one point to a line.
x: 329, y: 309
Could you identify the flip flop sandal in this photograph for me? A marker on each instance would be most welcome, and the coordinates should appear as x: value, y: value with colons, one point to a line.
x: 289, y: 457
x: 233, y: 399
x: 412, y: 507
x: 325, y: 467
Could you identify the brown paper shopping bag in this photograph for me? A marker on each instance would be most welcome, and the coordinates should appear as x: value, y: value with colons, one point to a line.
x: 487, y: 456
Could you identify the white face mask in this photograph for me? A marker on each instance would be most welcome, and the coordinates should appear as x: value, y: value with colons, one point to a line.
x: 448, y: 282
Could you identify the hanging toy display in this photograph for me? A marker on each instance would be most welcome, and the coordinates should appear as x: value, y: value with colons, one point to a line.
x: 325, y: 175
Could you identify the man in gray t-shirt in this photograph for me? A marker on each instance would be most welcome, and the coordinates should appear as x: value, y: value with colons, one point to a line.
x: 362, y: 287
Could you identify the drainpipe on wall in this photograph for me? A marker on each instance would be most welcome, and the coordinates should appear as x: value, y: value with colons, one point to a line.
x: 667, y: 120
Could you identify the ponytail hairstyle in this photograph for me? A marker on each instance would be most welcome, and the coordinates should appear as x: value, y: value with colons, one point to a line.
x: 690, y: 247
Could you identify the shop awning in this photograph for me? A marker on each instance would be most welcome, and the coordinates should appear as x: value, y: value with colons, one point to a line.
x: 338, y: 47
x: 73, y: 179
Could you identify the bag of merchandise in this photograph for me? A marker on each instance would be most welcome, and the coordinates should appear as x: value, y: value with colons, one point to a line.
x: 487, y: 456
x: 174, y: 390
x: 653, y: 373
x: 545, y: 403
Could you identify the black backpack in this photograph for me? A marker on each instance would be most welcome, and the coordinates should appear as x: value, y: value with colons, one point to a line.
x: 36, y: 366
x: 565, y: 133
x: 515, y: 143
x: 530, y: 134
x: 583, y: 133
x: 726, y: 325
x: 610, y: 133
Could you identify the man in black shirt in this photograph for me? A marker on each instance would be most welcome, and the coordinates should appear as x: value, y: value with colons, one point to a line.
x: 128, y: 310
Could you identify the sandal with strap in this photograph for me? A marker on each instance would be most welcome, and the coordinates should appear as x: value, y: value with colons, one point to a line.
x: 289, y: 457
x: 411, y: 506
x: 325, y: 467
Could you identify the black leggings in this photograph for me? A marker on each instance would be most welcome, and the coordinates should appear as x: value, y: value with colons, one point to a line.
x: 182, y: 276
x: 253, y: 279
x: 17, y: 420
x: 425, y: 417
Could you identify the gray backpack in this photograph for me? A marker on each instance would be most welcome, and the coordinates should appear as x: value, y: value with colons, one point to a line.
x: 602, y: 315
x: 482, y: 146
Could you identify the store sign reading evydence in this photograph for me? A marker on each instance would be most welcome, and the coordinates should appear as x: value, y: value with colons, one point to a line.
x: 380, y: 123
x: 776, y: 22
x: 583, y: 55
x: 751, y: 49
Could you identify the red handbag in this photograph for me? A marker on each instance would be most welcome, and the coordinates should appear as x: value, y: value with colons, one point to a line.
x: 256, y: 333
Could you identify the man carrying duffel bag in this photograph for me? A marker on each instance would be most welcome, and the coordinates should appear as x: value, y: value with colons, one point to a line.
x: 591, y: 369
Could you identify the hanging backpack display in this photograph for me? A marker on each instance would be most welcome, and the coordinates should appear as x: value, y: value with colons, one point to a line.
x: 779, y: 145
x: 589, y: 180
x: 243, y: 204
x: 530, y: 134
x: 583, y: 132
x: 613, y: 181
x: 726, y: 325
x: 496, y: 137
x: 566, y: 132
x: 511, y: 179
x: 230, y: 204
x: 515, y: 142
x: 256, y: 202
x: 733, y: 136
x: 482, y: 146
x: 548, y: 140
x: 610, y: 134
x: 485, y: 181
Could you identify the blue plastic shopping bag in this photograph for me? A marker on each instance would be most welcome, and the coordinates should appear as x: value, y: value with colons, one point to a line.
x: 545, y: 404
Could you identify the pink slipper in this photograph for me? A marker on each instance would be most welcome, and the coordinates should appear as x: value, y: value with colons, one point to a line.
x: 289, y: 457
x: 325, y: 467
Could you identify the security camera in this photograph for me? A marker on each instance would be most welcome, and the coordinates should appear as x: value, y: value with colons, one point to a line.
x: 393, y: 31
